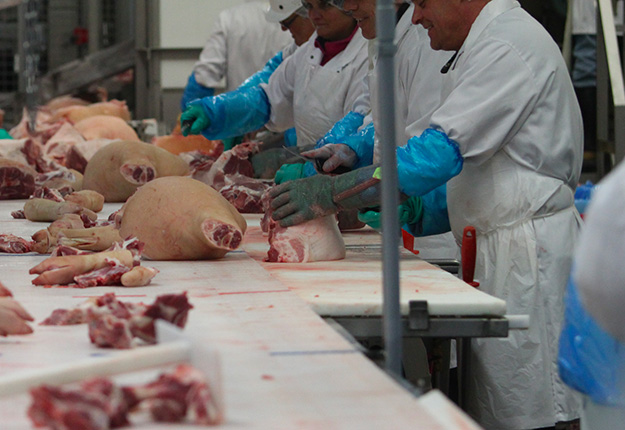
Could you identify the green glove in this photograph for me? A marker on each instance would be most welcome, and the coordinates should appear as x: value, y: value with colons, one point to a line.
x: 295, y: 202
x: 197, y: 117
x: 289, y: 172
x: 409, y: 212
x: 5, y: 134
x: 231, y: 142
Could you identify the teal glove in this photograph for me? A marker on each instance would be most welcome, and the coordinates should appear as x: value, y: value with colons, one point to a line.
x: 409, y: 212
x: 5, y: 134
x: 295, y: 202
x: 197, y: 117
x: 289, y: 172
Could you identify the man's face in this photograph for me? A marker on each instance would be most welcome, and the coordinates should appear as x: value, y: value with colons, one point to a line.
x: 444, y: 21
x: 330, y: 22
x: 363, y: 11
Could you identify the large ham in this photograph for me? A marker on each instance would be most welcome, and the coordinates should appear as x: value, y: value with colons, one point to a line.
x: 57, y: 147
x: 105, y: 127
x: 119, y: 168
x: 316, y: 240
x: 179, y: 218
x: 76, y: 113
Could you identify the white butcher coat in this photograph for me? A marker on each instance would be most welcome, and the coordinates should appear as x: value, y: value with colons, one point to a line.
x: 311, y: 97
x: 418, y: 81
x: 240, y: 45
x: 509, y: 104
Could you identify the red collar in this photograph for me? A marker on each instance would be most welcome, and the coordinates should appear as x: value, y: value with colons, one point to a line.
x: 331, y: 49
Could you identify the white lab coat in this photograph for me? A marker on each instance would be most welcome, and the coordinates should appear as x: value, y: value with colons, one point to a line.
x: 240, y: 45
x: 418, y: 81
x: 311, y: 97
x: 509, y: 104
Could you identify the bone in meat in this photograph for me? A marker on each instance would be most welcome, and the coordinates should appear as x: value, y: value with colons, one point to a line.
x: 315, y: 240
x: 118, y: 169
x: 17, y: 180
x: 105, y: 127
x: 179, y: 218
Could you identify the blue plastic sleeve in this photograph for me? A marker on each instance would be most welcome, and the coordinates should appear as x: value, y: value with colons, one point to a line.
x: 427, y: 162
x: 263, y: 75
x: 193, y: 91
x: 290, y: 137
x: 435, y: 219
x: 346, y: 126
x: 235, y: 113
x: 362, y: 143
x: 590, y: 360
x: 309, y: 170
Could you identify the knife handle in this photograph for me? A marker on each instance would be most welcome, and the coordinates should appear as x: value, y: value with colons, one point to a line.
x: 468, y: 253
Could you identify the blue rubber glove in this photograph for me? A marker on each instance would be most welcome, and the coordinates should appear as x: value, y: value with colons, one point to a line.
x: 235, y: 113
x: 263, y: 75
x: 198, y: 118
x: 346, y: 126
x: 290, y: 137
x: 362, y: 143
x: 427, y: 162
x: 289, y: 172
x: 194, y: 90
x: 5, y: 134
x: 409, y: 212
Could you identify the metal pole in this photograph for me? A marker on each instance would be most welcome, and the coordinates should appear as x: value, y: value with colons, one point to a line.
x: 385, y: 30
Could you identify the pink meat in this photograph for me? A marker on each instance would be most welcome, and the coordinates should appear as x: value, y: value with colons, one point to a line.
x: 246, y: 193
x: 316, y: 240
x: 74, y: 114
x: 108, y: 275
x: 79, y: 155
x: 17, y: 180
x: 12, y: 244
x: 96, y: 405
x: 58, y: 146
x: 105, y: 127
x: 193, y: 220
x: 231, y: 162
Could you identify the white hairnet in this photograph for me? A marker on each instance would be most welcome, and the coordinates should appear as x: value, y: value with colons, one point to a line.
x: 279, y: 10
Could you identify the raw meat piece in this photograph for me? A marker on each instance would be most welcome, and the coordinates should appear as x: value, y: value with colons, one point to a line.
x: 99, y: 404
x: 59, y: 145
x: 246, y: 193
x: 178, y: 144
x: 89, y: 199
x: 76, y: 113
x: 109, y: 331
x: 110, y: 274
x: 89, y: 239
x: 63, y: 179
x: 173, y: 308
x: 118, y: 169
x: 182, y: 393
x: 80, y: 154
x: 15, y: 150
x: 105, y: 127
x: 48, y: 194
x: 96, y: 405
x: 49, y: 210
x: 316, y: 240
x: 108, y: 302
x: 179, y: 218
x: 17, y: 180
x: 12, y: 244
x: 138, y: 276
x: 62, y: 270
x: 234, y: 161
x: 62, y: 102
x: 45, y: 127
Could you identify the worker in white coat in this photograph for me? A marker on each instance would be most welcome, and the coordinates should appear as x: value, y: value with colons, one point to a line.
x: 13, y: 317
x: 240, y: 45
x: 310, y: 90
x: 507, y: 140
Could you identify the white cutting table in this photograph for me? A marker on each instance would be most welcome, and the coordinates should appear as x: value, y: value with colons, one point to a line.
x: 282, y: 366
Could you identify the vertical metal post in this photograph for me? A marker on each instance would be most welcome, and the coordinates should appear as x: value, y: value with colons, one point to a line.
x: 385, y: 29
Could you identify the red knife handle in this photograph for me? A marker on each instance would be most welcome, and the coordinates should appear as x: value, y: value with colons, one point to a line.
x: 468, y: 252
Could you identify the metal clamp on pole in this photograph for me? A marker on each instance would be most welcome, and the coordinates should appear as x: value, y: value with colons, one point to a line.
x: 418, y: 315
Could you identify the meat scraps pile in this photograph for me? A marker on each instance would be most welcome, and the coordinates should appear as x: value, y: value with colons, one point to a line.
x: 100, y: 404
